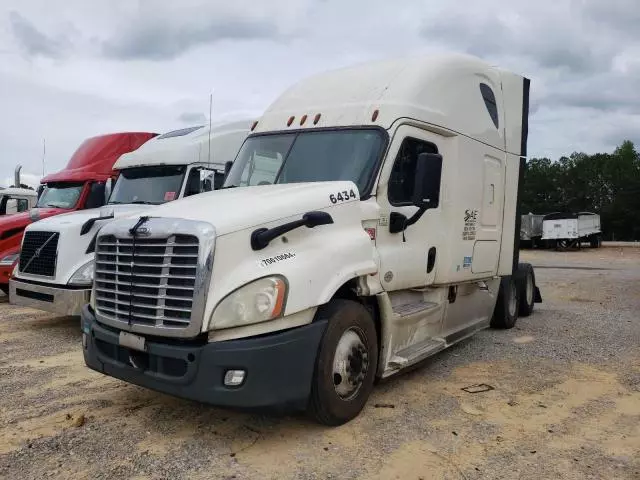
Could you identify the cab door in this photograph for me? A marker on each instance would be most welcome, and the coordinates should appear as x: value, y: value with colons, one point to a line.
x: 407, y: 258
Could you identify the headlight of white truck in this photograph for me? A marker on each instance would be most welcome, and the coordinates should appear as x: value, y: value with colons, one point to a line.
x: 9, y: 259
x: 83, y: 275
x: 261, y: 300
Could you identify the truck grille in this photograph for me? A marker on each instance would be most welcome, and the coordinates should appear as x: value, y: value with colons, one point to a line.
x: 38, y: 253
x: 150, y: 283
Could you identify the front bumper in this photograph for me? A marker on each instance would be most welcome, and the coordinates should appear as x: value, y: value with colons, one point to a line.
x: 56, y: 298
x: 279, y: 367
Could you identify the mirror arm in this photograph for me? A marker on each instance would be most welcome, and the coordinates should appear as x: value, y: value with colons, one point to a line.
x: 415, y: 217
x: 399, y: 223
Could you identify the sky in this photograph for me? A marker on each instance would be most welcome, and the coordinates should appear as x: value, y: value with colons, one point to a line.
x: 74, y: 69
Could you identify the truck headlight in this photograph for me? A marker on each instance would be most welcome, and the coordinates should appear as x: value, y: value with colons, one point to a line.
x: 9, y: 259
x: 83, y: 275
x: 258, y: 301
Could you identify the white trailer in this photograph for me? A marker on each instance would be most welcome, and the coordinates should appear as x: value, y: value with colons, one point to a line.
x: 375, y: 224
x: 55, y: 271
x: 568, y: 230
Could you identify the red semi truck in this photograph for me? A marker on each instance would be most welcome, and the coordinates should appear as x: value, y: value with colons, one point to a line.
x: 84, y: 183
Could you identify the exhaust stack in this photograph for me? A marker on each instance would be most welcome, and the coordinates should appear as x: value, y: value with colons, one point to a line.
x: 16, y: 178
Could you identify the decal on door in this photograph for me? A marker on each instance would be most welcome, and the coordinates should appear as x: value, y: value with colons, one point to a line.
x: 470, y: 224
x: 466, y: 262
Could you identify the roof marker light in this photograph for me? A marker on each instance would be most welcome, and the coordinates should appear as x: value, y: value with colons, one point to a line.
x: 316, y: 119
x: 303, y: 119
x: 375, y: 115
x: 290, y: 121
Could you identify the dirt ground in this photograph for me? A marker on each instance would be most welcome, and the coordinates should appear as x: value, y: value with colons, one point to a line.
x: 565, y: 402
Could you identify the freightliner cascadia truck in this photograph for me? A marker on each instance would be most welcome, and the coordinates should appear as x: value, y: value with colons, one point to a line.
x: 173, y: 165
x: 369, y: 221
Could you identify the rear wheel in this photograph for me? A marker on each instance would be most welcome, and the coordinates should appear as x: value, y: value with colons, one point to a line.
x: 346, y: 363
x: 505, y: 313
x: 526, y: 284
x: 595, y: 241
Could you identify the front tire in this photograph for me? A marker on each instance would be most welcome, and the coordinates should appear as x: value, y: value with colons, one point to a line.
x: 345, y: 365
x: 505, y: 313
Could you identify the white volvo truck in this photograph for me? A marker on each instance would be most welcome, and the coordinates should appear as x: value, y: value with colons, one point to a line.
x: 55, y: 272
x: 375, y: 223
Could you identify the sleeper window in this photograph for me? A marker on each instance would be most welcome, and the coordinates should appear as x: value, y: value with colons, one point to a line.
x: 490, y: 102
x: 402, y: 178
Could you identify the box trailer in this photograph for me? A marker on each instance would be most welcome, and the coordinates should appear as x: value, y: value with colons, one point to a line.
x: 369, y: 221
x: 570, y: 230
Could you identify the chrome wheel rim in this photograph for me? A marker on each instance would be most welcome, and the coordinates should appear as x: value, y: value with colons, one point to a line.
x: 350, y: 364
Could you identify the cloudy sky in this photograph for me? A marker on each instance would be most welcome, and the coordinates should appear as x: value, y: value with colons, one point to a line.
x: 74, y: 69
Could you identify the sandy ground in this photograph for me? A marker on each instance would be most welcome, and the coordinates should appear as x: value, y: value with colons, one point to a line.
x: 565, y: 402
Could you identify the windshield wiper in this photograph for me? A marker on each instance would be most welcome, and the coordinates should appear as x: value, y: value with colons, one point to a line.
x: 229, y: 186
x: 144, y: 202
x: 55, y: 205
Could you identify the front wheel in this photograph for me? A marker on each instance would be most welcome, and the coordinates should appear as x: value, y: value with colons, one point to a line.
x: 346, y: 363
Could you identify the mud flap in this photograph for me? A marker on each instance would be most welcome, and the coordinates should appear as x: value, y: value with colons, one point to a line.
x: 537, y: 298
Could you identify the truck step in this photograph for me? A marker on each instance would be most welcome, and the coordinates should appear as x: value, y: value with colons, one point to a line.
x: 408, y: 309
x: 415, y: 353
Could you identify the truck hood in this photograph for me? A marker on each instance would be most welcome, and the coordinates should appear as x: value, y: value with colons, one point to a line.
x: 72, y: 246
x: 73, y: 221
x: 234, y: 209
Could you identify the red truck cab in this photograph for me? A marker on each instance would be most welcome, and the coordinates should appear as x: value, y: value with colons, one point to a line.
x: 83, y: 183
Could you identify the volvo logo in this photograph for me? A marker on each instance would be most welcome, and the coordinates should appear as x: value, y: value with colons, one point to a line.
x: 143, y: 231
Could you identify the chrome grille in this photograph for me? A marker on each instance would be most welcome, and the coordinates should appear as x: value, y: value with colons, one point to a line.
x: 150, y: 283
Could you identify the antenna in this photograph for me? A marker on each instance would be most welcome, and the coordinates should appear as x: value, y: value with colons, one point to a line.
x: 44, y: 152
x: 210, y: 110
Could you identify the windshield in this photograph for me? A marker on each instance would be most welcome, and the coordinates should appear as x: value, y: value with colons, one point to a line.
x: 309, y: 157
x: 149, y: 185
x: 60, y: 195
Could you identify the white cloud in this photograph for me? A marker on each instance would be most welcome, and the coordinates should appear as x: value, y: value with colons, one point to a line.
x: 77, y: 69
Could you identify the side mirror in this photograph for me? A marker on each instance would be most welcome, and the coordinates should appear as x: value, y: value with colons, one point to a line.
x: 426, y: 190
x: 227, y: 167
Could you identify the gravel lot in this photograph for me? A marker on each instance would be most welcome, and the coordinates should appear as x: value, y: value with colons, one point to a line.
x: 565, y: 403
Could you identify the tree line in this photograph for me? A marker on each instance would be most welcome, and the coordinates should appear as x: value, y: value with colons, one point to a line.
x: 603, y: 183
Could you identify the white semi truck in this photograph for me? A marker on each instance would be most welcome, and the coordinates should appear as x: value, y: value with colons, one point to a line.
x: 55, y: 271
x: 569, y: 230
x: 375, y: 223
x: 17, y: 199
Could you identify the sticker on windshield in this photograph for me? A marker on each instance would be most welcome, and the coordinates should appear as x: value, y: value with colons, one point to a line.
x: 168, y: 196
